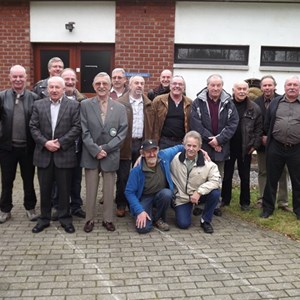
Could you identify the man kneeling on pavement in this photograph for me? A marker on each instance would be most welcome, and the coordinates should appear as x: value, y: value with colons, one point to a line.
x: 150, y: 185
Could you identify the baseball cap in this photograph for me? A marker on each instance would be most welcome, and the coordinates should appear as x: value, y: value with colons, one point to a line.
x: 149, y: 144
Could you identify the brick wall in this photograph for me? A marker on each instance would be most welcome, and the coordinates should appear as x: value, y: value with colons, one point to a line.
x: 145, y: 37
x: 15, y: 45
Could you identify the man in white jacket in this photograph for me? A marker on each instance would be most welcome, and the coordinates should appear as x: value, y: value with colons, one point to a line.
x: 196, y: 180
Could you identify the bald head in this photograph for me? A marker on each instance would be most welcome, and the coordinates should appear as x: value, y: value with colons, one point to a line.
x: 17, y: 78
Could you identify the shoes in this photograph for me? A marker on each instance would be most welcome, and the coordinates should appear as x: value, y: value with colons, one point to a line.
x: 4, y: 216
x: 245, y: 207
x: 258, y: 204
x: 39, y: 227
x: 218, y: 212
x: 120, y: 212
x: 79, y: 213
x: 31, y: 215
x: 207, y: 228
x: 109, y: 226
x: 54, y: 215
x: 69, y: 228
x: 163, y: 226
x: 224, y: 204
x: 197, y: 211
x: 285, y: 208
x: 265, y: 214
x: 89, y: 226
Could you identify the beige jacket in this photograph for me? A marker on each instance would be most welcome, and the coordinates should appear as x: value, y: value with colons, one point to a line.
x: 203, y: 178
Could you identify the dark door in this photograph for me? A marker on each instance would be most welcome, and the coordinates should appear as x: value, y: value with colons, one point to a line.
x: 86, y: 60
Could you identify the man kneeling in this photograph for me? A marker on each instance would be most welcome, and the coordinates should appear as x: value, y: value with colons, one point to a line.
x: 150, y: 186
x: 196, y: 180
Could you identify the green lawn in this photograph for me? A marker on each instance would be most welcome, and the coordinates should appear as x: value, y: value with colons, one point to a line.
x: 283, y: 222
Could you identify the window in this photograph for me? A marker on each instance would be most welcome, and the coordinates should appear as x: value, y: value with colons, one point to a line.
x: 280, y: 56
x: 212, y: 54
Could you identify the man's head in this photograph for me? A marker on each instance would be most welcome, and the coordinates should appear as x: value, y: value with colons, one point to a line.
x: 69, y: 76
x: 118, y: 79
x: 177, y: 86
x: 56, y: 88
x: 102, y: 85
x: 240, y: 91
x: 192, y: 142
x: 165, y: 78
x: 55, y: 66
x: 149, y: 150
x: 268, y: 86
x: 136, y: 86
x: 17, y: 77
x: 292, y: 88
x: 215, y: 86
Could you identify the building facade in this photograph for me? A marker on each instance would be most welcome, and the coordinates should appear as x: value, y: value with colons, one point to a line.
x: 239, y: 40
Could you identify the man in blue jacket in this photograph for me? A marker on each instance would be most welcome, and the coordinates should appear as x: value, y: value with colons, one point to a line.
x: 150, y: 185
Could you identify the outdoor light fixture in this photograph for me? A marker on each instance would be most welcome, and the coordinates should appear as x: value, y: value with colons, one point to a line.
x: 70, y: 26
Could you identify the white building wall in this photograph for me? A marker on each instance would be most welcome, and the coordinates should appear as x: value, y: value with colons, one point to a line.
x: 94, y: 21
x: 253, y: 24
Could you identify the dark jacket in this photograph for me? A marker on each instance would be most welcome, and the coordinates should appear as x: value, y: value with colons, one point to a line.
x: 160, y: 90
x: 67, y: 130
x: 7, y: 104
x: 251, y: 127
x: 201, y: 121
x: 149, y: 116
x: 260, y: 101
x: 40, y: 88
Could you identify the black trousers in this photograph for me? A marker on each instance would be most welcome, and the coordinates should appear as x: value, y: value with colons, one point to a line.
x: 8, y: 162
x: 277, y: 156
x: 62, y: 177
x: 123, y: 173
x: 243, y: 164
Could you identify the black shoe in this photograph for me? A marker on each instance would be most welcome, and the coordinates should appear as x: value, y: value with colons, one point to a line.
x: 218, y: 212
x: 197, y: 211
x: 39, y: 227
x: 224, y: 204
x: 79, y: 213
x: 265, y: 214
x: 207, y: 228
x: 245, y: 207
x: 69, y: 228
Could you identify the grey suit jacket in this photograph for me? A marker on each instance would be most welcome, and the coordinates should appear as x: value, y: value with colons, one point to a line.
x: 109, y: 135
x: 67, y: 130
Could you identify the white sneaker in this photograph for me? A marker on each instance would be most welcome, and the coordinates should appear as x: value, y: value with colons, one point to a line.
x: 31, y: 215
x: 4, y: 216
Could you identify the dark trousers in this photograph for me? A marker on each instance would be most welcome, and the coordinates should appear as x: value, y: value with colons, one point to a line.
x: 243, y: 165
x: 9, y: 161
x: 123, y: 173
x: 166, y: 142
x: 277, y: 156
x: 122, y: 176
x: 62, y: 177
x: 75, y: 195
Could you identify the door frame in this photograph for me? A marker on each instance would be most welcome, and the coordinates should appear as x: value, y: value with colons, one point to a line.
x: 74, y: 57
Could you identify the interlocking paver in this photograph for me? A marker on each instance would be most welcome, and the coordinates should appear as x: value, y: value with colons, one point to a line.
x: 238, y: 261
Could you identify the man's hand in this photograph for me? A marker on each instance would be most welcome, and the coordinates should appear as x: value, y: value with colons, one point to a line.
x: 101, y: 154
x: 251, y: 150
x: 205, y: 154
x: 141, y: 220
x: 195, y: 197
x: 213, y: 142
x: 52, y: 145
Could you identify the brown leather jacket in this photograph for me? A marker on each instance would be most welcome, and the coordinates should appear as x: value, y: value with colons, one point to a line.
x: 148, y: 123
x: 160, y: 104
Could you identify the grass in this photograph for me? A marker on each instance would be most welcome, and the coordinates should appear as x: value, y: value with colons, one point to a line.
x: 283, y: 222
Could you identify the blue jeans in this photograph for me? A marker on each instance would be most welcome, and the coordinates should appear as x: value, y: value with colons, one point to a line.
x: 161, y: 202
x: 183, y: 213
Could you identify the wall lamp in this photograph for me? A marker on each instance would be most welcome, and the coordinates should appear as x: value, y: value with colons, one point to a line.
x: 70, y: 26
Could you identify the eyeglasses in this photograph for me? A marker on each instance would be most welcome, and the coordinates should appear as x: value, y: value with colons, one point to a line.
x: 177, y: 83
x: 117, y: 77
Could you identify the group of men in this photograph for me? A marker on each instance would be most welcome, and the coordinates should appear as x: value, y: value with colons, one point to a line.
x: 166, y: 151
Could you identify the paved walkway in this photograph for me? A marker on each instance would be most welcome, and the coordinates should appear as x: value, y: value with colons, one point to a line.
x: 238, y: 261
